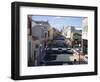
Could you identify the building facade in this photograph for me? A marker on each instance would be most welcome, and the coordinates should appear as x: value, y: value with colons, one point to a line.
x: 72, y: 35
x: 44, y: 30
x: 68, y: 31
x: 38, y: 34
x: 85, y: 35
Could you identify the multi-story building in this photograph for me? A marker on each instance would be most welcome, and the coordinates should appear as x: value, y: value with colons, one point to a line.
x: 68, y: 31
x: 85, y: 35
x: 44, y: 30
x: 72, y: 35
x: 38, y: 34
x: 55, y: 32
x: 85, y: 28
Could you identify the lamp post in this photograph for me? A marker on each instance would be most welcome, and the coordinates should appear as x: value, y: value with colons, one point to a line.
x: 79, y: 57
x: 79, y: 53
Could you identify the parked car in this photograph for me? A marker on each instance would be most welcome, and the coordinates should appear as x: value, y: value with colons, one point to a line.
x: 57, y: 48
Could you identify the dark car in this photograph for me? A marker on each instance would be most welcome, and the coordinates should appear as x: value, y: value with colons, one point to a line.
x: 57, y: 48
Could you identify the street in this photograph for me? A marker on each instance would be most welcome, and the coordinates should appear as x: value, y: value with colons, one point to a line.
x: 57, y: 45
x: 59, y: 53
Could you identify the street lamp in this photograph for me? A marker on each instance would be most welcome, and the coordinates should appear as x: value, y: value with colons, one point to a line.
x: 79, y: 57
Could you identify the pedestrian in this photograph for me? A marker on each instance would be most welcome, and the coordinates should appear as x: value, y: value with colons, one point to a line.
x: 75, y: 61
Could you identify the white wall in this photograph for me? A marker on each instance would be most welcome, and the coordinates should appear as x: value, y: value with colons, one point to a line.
x: 5, y: 41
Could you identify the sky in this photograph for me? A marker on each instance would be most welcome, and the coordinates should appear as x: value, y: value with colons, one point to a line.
x: 59, y: 22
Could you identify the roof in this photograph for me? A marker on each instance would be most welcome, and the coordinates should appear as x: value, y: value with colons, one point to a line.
x: 41, y: 22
